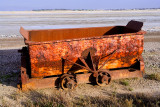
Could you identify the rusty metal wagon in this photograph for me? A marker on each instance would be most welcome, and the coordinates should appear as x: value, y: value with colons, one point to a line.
x: 67, y: 57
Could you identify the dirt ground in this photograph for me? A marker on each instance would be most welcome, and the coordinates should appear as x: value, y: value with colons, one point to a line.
x: 10, y: 68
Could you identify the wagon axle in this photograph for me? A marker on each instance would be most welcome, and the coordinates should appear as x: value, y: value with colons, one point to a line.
x: 68, y: 81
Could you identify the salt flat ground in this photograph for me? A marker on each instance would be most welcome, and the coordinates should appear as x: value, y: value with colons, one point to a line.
x: 11, y: 41
x: 10, y: 22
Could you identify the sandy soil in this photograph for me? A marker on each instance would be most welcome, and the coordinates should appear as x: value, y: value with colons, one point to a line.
x: 10, y: 58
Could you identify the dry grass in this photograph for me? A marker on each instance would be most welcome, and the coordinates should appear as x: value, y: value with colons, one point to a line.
x: 113, y: 100
x: 40, y: 99
x: 124, y: 82
x: 130, y: 89
x: 69, y: 99
x: 153, y: 76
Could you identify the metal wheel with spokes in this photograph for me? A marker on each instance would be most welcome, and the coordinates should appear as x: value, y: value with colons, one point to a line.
x: 68, y: 81
x: 103, y: 79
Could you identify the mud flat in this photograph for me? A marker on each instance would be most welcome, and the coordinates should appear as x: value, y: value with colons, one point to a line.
x: 11, y: 41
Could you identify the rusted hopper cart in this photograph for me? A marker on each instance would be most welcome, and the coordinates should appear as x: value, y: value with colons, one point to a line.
x: 67, y: 57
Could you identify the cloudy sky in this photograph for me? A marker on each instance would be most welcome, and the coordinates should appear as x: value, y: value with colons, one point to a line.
x: 20, y: 5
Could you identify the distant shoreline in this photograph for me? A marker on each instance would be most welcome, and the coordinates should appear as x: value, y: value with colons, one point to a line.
x: 78, y: 11
x: 121, y: 9
x: 92, y: 9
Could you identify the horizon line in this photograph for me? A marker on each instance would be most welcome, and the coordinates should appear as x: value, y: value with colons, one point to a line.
x: 84, y: 9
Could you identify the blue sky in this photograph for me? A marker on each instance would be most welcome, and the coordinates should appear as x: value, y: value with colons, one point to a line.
x: 20, y: 5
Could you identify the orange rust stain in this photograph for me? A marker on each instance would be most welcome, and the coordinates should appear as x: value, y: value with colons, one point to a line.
x: 46, y: 58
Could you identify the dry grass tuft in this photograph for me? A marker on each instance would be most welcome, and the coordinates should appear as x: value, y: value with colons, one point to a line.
x: 40, y: 99
x: 124, y: 82
x: 153, y: 76
x: 130, y: 89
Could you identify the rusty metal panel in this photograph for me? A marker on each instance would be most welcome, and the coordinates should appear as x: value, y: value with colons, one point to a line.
x: 46, y: 57
x: 62, y: 34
